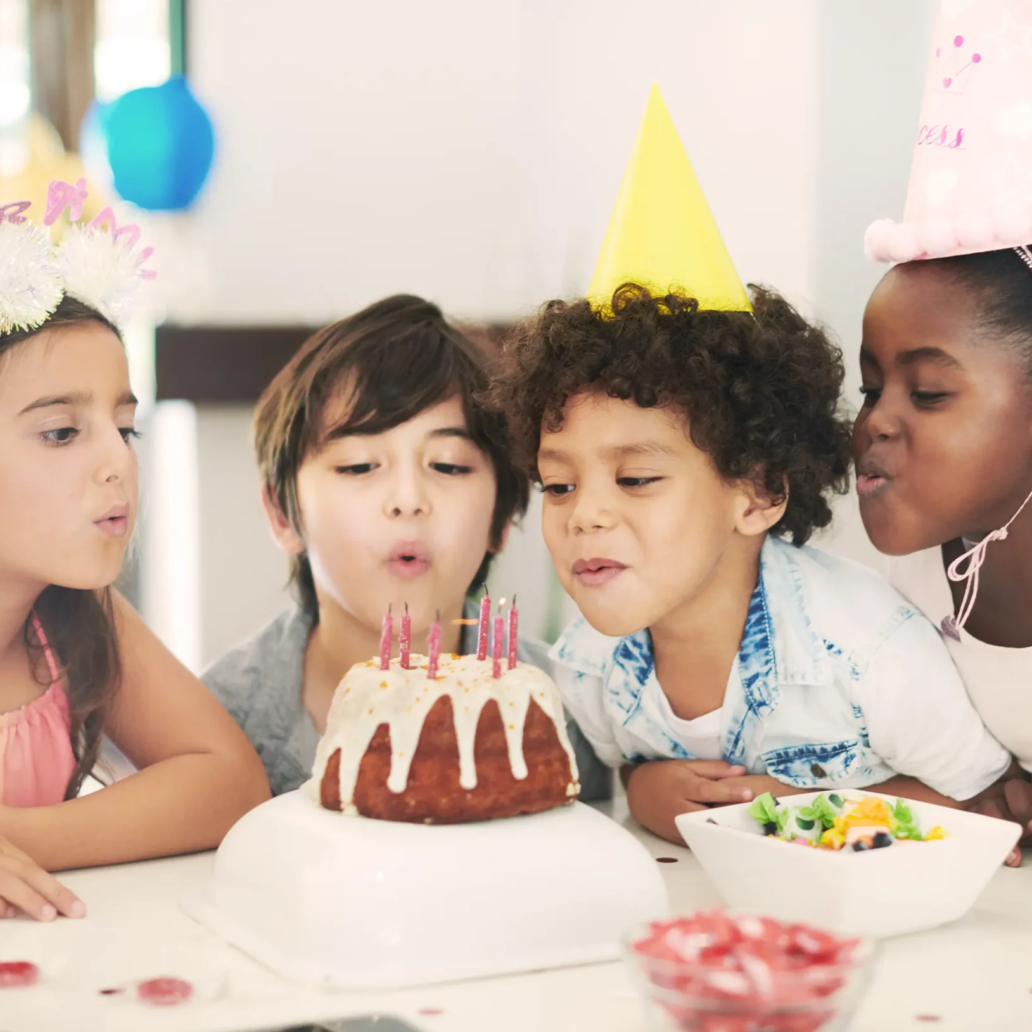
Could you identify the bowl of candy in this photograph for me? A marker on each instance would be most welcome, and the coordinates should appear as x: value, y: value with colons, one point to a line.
x: 721, y: 972
x: 858, y: 863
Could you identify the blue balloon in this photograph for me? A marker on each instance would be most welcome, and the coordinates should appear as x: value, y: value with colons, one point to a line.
x: 160, y: 145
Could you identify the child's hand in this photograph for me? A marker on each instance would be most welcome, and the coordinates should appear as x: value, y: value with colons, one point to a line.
x: 1009, y: 800
x: 660, y: 790
x: 25, y: 886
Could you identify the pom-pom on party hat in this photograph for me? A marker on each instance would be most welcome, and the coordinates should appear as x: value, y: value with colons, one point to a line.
x: 662, y: 234
x: 971, y: 177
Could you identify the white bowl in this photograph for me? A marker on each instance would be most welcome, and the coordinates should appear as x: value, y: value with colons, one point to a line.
x: 905, y: 888
x: 354, y: 903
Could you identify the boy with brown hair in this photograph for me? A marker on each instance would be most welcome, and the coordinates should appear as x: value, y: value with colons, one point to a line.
x: 388, y: 484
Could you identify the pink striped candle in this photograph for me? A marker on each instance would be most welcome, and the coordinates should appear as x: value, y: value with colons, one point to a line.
x: 514, y: 623
x: 405, y: 639
x: 484, y: 626
x: 499, y: 643
x: 433, y: 641
x: 385, y: 640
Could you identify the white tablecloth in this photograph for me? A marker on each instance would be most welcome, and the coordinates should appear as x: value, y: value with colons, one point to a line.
x: 975, y: 975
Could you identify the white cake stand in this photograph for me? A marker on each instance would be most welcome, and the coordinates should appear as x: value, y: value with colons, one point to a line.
x: 353, y: 903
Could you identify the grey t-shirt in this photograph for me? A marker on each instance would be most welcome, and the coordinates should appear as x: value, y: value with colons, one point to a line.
x: 259, y: 682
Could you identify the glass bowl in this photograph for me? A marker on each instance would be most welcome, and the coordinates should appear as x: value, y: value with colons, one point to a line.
x: 687, y: 996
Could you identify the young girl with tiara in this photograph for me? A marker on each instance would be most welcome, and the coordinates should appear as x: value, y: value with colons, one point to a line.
x: 76, y: 663
x: 943, y: 443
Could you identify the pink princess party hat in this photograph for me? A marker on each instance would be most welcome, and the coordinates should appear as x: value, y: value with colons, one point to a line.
x: 971, y: 178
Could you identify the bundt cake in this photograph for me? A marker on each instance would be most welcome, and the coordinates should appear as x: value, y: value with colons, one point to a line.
x: 462, y: 746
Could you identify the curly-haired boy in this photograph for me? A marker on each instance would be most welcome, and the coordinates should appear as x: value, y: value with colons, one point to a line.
x: 686, y: 456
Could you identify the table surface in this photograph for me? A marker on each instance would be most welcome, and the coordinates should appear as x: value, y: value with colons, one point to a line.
x: 974, y: 975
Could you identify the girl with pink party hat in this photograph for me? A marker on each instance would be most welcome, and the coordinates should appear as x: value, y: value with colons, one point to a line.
x: 943, y: 442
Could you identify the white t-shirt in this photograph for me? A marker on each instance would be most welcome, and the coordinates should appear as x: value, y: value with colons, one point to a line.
x: 999, y: 680
x: 703, y: 737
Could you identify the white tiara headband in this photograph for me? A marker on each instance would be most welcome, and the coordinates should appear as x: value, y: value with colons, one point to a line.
x: 97, y: 263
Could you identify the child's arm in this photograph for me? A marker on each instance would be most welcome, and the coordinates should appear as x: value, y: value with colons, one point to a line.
x: 921, y: 722
x: 198, y: 772
x: 659, y: 790
x: 904, y: 787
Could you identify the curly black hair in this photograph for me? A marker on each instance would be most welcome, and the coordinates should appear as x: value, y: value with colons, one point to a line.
x: 760, y: 392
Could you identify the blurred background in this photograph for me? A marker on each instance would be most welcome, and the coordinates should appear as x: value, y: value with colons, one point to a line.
x: 292, y: 162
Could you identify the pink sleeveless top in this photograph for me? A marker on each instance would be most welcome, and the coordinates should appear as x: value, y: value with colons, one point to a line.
x: 36, y: 758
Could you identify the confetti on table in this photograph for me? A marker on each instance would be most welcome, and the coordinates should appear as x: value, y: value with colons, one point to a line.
x: 18, y: 974
x: 164, y: 992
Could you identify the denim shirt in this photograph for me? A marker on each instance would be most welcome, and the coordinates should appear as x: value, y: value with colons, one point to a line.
x: 838, y: 682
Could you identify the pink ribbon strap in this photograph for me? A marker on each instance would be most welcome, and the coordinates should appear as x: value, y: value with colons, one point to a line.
x: 37, y: 626
x: 974, y: 558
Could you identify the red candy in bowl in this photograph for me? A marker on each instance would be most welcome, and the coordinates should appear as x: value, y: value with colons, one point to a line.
x: 719, y: 972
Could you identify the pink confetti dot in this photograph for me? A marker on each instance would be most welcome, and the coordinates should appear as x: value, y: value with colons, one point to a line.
x: 18, y: 974
x: 928, y: 1017
x: 958, y: 41
x: 164, y: 992
x: 429, y: 1012
x: 975, y: 58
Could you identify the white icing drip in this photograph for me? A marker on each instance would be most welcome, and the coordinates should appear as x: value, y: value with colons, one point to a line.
x: 401, y: 699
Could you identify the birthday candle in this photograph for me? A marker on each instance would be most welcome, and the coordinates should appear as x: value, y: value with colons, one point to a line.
x: 405, y: 639
x: 514, y: 622
x: 483, y: 628
x: 385, y: 640
x: 434, y: 647
x: 499, y: 641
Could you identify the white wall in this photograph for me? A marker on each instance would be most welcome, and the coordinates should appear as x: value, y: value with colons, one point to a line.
x: 871, y: 62
x: 472, y: 151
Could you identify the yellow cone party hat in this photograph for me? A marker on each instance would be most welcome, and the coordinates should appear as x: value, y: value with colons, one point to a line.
x: 662, y: 233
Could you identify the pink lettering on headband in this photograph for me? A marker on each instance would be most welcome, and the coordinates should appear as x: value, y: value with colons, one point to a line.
x: 12, y: 211
x: 61, y: 195
x: 132, y: 233
x: 147, y: 274
x: 131, y: 230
